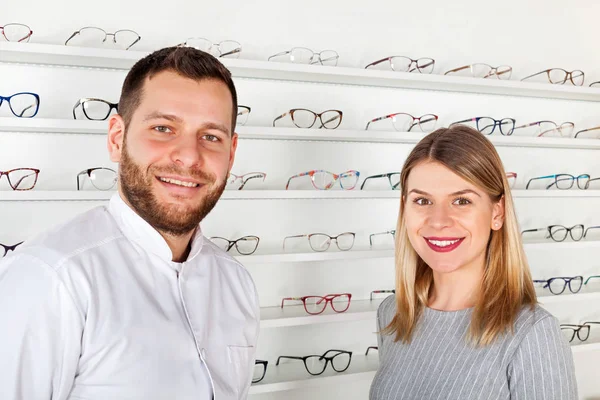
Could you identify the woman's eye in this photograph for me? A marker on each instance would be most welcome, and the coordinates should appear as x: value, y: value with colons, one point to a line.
x: 162, y: 129
x: 422, y: 201
x: 462, y: 201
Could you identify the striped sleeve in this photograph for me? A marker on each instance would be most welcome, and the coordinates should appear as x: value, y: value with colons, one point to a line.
x: 542, y: 366
x: 380, y: 325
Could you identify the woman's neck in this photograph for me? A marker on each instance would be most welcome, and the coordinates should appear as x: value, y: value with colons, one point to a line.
x: 456, y: 290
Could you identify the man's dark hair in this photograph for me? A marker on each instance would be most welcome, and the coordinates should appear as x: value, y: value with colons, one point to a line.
x: 185, y: 61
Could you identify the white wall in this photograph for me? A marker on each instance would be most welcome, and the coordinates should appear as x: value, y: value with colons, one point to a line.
x: 530, y: 36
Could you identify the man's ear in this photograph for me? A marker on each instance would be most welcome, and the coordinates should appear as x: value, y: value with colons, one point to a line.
x: 116, y: 135
x: 234, y: 143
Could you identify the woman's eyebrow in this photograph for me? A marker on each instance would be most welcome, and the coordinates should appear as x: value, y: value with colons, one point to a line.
x: 460, y: 192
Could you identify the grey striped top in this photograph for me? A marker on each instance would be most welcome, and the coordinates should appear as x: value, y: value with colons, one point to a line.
x: 535, y: 362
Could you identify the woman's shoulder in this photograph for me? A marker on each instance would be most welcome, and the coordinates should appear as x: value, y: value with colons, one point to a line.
x: 387, y: 308
x: 531, y: 316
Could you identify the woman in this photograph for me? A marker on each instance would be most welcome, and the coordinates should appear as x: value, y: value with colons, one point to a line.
x: 464, y: 323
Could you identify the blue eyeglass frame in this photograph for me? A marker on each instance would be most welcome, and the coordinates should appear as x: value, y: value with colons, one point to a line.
x: 37, y: 97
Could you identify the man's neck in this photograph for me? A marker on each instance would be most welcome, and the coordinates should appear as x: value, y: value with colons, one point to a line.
x: 180, y: 245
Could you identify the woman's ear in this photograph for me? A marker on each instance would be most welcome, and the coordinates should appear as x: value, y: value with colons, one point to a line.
x: 498, y: 215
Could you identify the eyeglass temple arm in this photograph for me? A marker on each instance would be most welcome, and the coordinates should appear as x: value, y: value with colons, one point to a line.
x: 290, y: 298
x: 590, y: 322
x: 283, y: 53
x: 369, y: 348
x: 377, y: 62
x: 382, y: 291
x: 372, y: 177
x: 376, y: 234
x: 591, y: 227
x: 290, y: 357
x: 292, y: 237
x: 25, y: 109
x: 538, y: 73
x: 586, y: 130
x: 457, y: 69
x: 464, y: 120
x: 418, y: 122
x: 236, y: 50
x: 534, y: 230
x: 494, y: 71
x: 338, y: 116
x: 537, y: 178
x: 378, y: 119
x: 296, y: 176
x: 281, y: 116
x: 136, y: 40
x: 71, y: 37
x: 257, y: 175
x: 23, y: 177
x: 84, y: 172
x: 590, y: 278
x: 324, y: 355
x: 75, y: 107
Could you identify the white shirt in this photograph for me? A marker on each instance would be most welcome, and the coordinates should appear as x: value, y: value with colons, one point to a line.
x: 95, y: 309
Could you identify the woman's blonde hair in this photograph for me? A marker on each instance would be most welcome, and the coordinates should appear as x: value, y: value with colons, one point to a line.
x: 507, y: 285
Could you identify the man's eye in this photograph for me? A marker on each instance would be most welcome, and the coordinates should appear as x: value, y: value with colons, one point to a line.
x: 162, y: 129
x: 422, y: 201
x: 211, y: 138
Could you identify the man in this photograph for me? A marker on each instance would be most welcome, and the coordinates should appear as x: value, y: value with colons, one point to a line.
x: 131, y: 301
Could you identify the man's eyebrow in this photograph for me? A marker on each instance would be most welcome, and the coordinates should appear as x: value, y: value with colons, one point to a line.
x: 460, y: 192
x: 216, y: 126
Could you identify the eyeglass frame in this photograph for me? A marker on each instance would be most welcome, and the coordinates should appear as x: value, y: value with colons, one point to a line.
x: 590, y: 278
x: 314, y: 53
x: 371, y: 347
x: 568, y: 75
x: 35, y: 170
x: 570, y: 177
x: 84, y: 100
x: 328, y: 299
x: 37, y: 98
x: 244, y: 110
x: 321, y: 357
x: 106, y: 35
x: 576, y: 331
x: 89, y: 171
x: 317, y: 115
x: 386, y: 175
x: 497, y: 122
x: 392, y: 232
x: 567, y: 280
x: 217, y: 45
x: 336, y: 178
x: 331, y: 238
x: 234, y: 243
x: 28, y: 36
x: 8, y: 248
x: 265, y: 363
x: 492, y: 69
x: 558, y: 127
x: 379, y: 291
x: 550, y: 236
x: 255, y: 175
x: 585, y: 130
x: 415, y: 62
x: 418, y: 119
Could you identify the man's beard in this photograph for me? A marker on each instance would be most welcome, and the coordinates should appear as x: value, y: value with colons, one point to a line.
x: 167, y: 218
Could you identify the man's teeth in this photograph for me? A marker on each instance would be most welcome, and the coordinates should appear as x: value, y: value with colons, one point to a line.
x: 180, y: 183
x: 443, y: 243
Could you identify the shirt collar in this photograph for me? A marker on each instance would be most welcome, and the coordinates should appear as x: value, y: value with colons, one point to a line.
x: 136, y: 229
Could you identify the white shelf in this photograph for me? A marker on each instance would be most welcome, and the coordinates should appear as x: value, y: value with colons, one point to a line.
x: 49, y: 125
x: 548, y: 298
x: 291, y: 374
x: 584, y: 348
x: 296, y: 315
x: 331, y: 255
x: 48, y: 54
x: 99, y: 195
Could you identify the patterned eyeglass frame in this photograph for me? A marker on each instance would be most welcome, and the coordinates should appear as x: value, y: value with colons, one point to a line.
x: 23, y: 39
x: 381, y: 291
x: 246, y: 177
x: 563, y: 177
x: 312, y: 60
x: 493, y: 70
x: 8, y: 248
x: 321, y: 357
x: 568, y: 75
x: 81, y: 102
x: 558, y: 128
x: 339, y: 115
x: 416, y: 120
x: 566, y: 279
x: 336, y: 178
x: 331, y: 239
x: 15, y: 187
x: 106, y: 35
x: 550, y: 236
x: 497, y: 122
x: 429, y: 61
